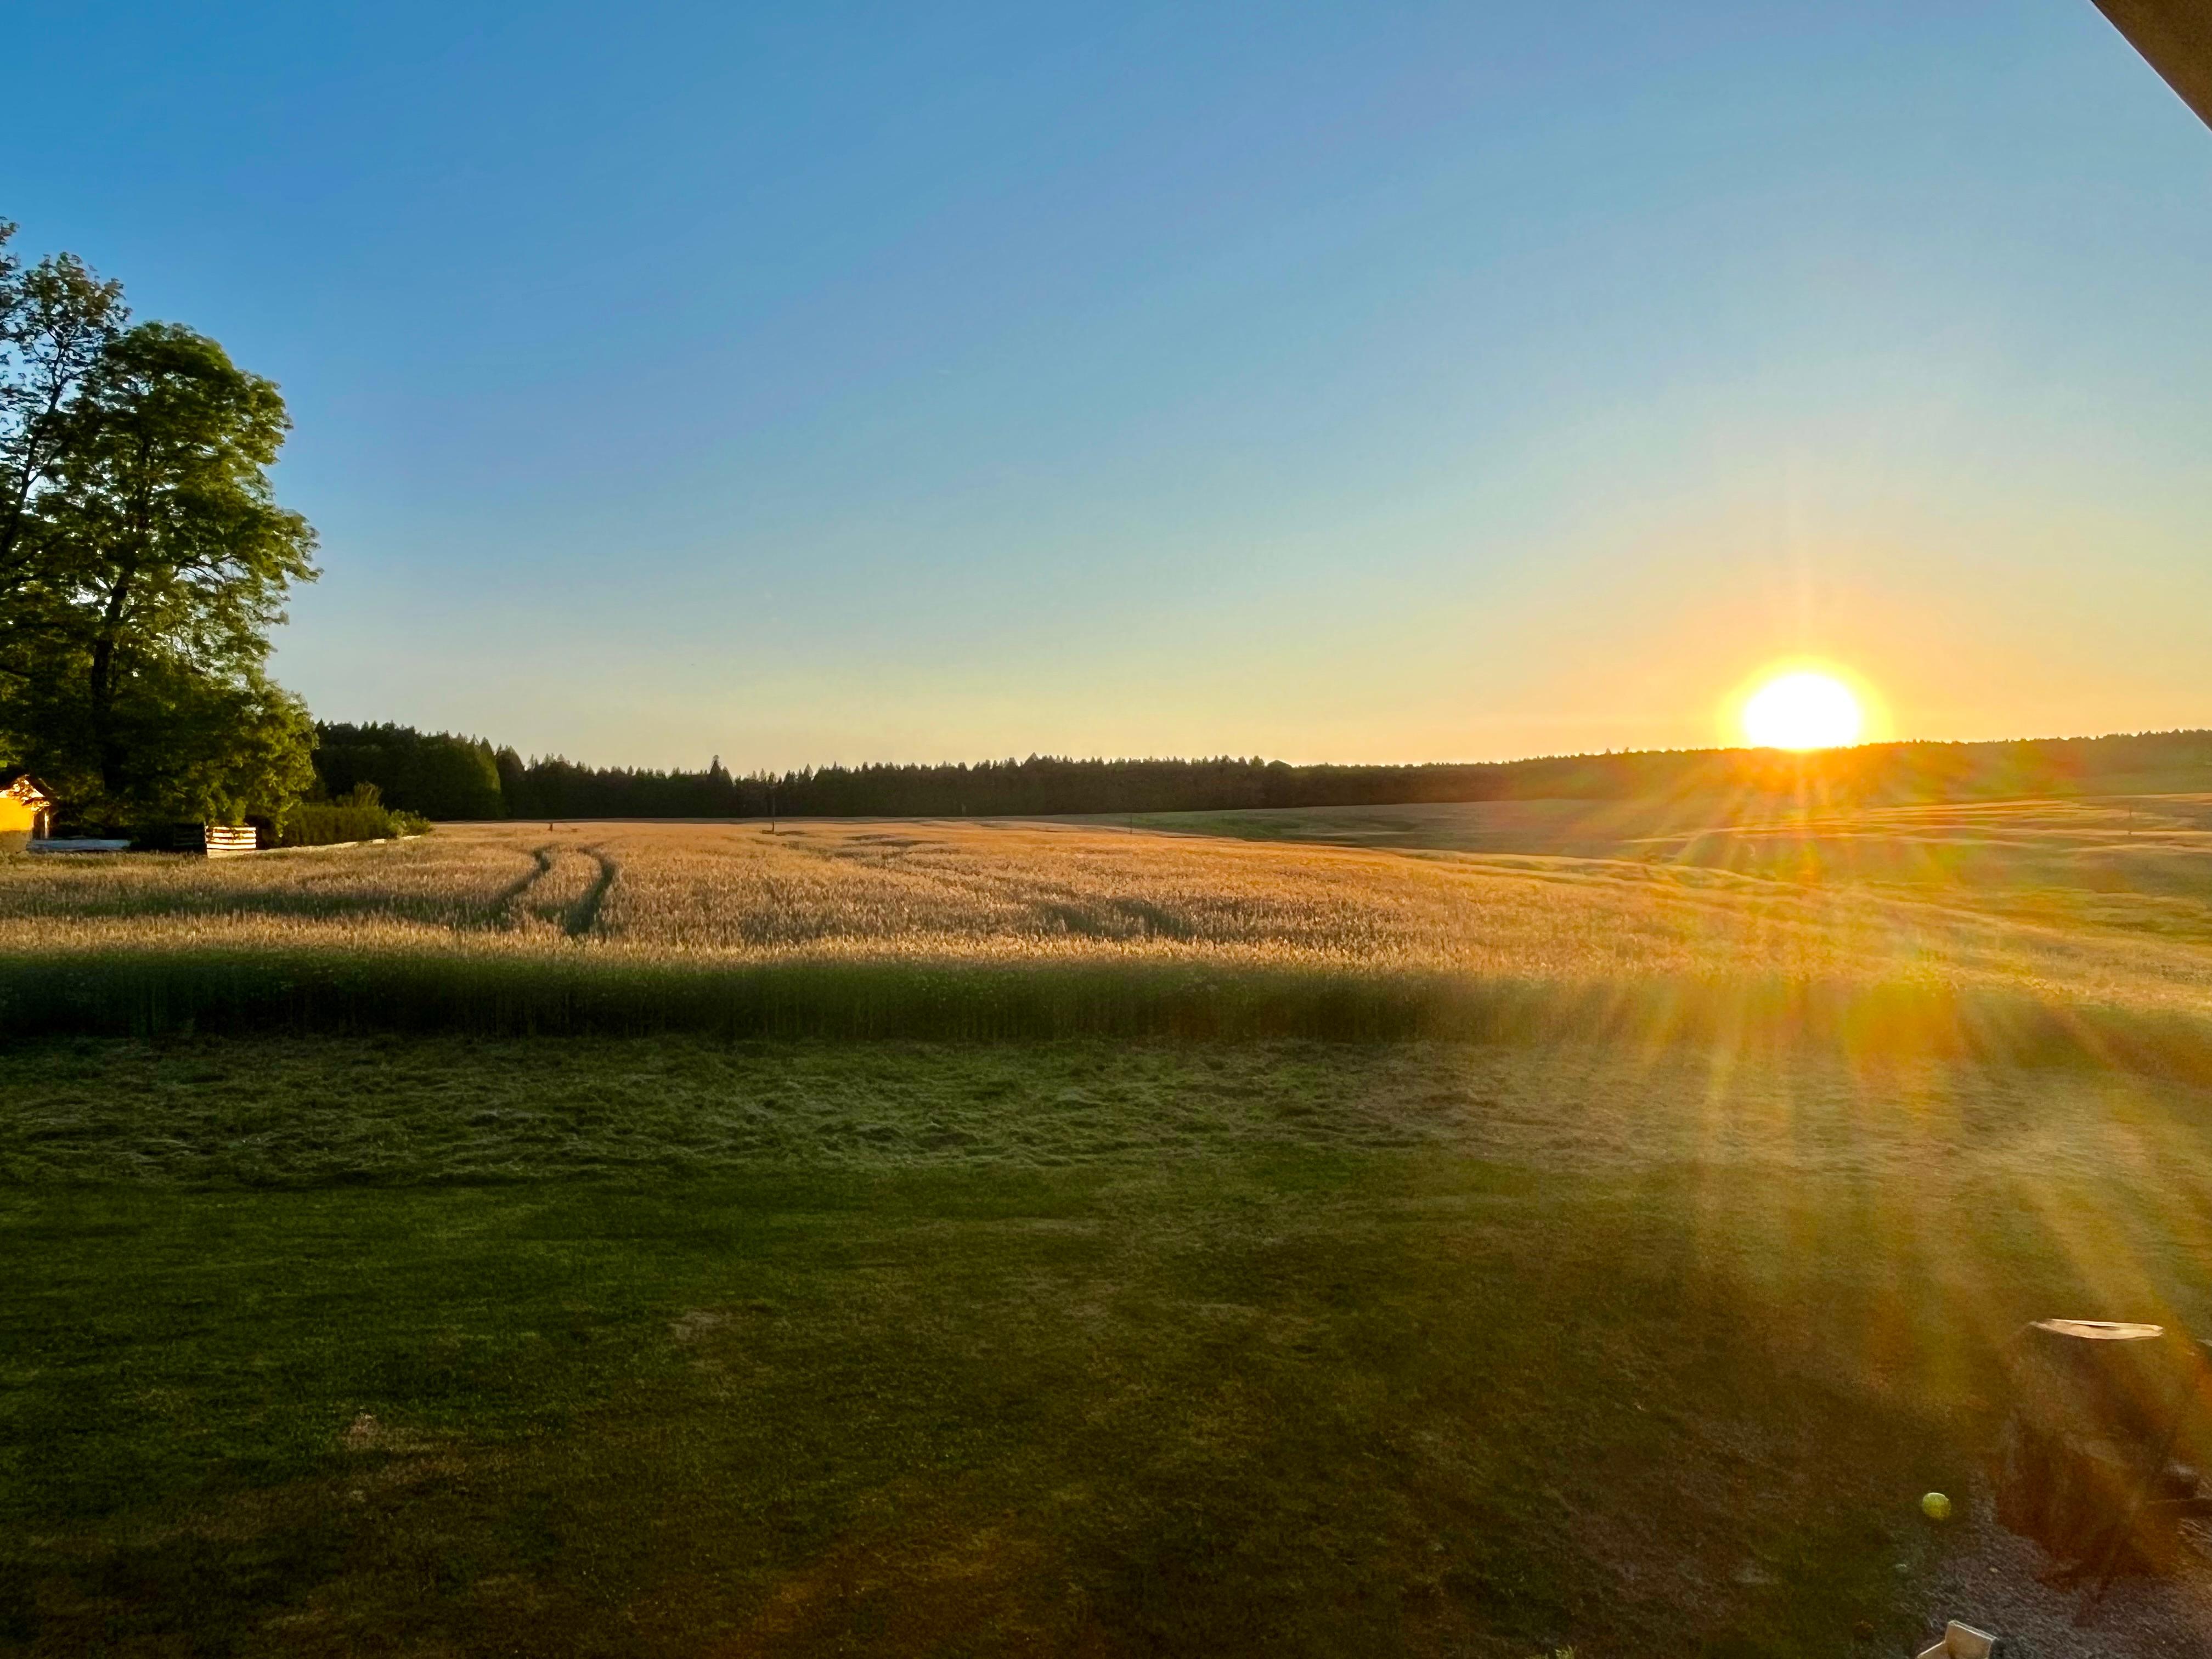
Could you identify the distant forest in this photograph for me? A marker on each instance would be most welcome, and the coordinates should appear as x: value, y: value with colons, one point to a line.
x: 444, y: 776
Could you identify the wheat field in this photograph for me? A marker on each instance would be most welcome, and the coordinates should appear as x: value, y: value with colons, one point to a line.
x: 1013, y: 894
x: 965, y: 929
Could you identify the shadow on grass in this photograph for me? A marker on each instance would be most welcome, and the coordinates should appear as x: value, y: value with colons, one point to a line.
x: 1295, y: 1403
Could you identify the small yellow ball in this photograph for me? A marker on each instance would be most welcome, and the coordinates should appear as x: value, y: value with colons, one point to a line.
x: 1936, y: 1506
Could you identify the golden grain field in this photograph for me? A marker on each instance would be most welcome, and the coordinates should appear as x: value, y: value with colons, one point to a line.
x: 1010, y: 893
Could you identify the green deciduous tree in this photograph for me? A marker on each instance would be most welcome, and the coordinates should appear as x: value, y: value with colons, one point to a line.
x: 148, y: 563
x: 56, y: 322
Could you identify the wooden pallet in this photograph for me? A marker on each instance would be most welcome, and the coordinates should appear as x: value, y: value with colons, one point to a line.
x: 219, y: 841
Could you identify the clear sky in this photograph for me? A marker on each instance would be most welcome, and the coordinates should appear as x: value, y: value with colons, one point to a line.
x: 1347, y: 382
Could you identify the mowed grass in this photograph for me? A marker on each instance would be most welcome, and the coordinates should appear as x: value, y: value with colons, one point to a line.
x: 432, y: 1346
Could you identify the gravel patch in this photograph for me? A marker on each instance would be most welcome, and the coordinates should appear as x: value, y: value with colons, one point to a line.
x: 1989, y: 1580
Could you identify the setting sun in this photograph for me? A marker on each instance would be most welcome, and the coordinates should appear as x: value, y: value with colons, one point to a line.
x: 1802, y: 709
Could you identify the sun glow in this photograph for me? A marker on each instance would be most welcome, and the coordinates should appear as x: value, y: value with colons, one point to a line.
x: 1802, y: 709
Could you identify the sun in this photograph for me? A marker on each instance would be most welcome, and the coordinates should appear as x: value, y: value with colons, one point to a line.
x: 1803, y: 708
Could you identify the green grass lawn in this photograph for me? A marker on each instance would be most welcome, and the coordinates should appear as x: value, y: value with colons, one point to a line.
x: 319, y: 1346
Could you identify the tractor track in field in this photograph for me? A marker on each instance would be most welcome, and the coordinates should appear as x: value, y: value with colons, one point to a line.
x: 576, y: 920
x: 586, y: 911
x: 511, y: 894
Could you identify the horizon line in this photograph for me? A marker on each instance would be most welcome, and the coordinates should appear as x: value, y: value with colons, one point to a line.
x: 1266, y: 760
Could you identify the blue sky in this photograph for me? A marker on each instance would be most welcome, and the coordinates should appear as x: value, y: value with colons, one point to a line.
x: 1352, y: 382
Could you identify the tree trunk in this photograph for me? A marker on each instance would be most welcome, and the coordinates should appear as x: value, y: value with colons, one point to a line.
x: 101, y: 688
x: 107, y: 746
x: 2085, y: 1451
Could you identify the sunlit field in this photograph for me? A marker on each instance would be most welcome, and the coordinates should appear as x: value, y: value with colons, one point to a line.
x: 1042, y: 929
x: 612, y: 1239
x: 2145, y: 847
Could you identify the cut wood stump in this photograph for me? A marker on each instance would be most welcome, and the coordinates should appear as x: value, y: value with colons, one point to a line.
x: 2085, y: 1462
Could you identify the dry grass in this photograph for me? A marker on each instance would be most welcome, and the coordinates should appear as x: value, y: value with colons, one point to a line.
x: 436, y: 883
x: 2134, y: 863
x: 1016, y: 893
x: 664, y: 909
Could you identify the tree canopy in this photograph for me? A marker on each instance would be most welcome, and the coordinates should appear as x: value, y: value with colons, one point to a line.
x: 435, y: 774
x: 143, y: 559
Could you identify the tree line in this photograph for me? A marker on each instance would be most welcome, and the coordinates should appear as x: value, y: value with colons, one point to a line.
x: 143, y: 559
x: 443, y: 776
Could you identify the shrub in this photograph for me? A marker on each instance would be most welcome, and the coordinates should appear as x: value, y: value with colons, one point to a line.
x: 358, y: 815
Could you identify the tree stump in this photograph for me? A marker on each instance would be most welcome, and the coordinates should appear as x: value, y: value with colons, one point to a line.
x: 2085, y: 1455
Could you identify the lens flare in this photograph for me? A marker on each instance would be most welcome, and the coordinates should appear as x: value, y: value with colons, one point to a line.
x: 1802, y: 709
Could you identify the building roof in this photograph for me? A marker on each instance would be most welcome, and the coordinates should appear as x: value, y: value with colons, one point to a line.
x: 2175, y: 36
x: 16, y: 784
